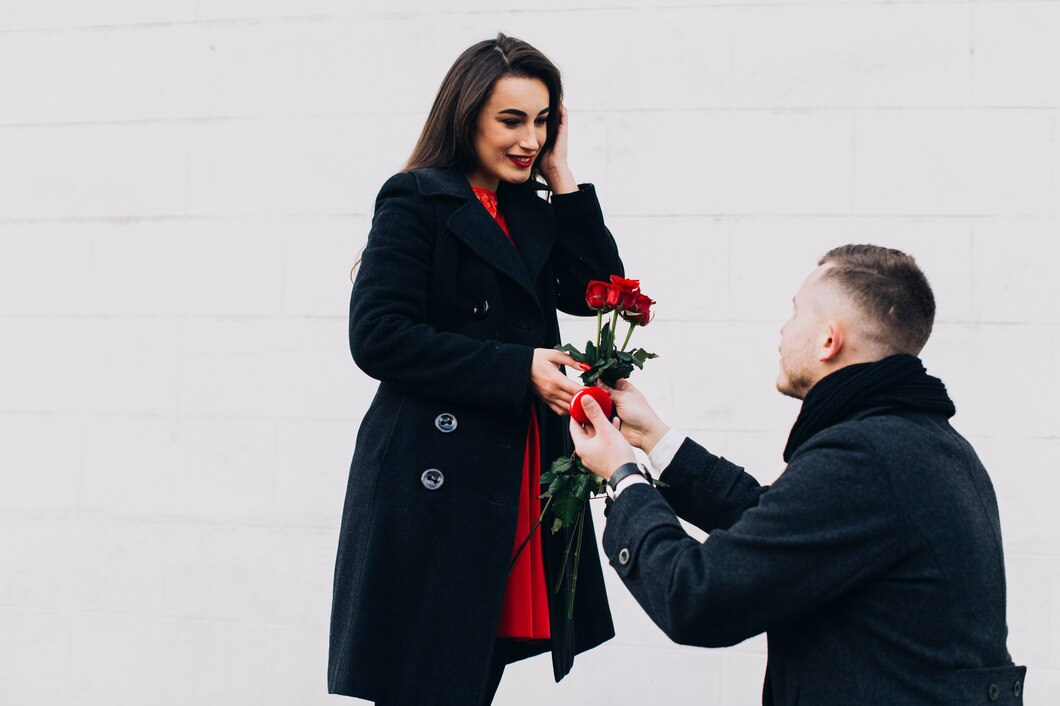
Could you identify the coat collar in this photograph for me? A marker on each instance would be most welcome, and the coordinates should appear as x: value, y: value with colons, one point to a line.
x: 472, y: 224
x: 442, y: 182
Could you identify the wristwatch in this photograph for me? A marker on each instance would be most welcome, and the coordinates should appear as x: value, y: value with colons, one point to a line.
x: 622, y: 472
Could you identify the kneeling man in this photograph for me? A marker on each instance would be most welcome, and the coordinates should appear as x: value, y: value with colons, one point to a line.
x: 874, y: 562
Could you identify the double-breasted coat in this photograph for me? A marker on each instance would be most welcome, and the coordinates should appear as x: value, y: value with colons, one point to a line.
x: 446, y: 313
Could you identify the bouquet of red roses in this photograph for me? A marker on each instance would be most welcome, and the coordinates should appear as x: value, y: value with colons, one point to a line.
x: 568, y: 485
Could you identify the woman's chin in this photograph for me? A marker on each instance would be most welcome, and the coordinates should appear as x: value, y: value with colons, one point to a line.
x: 520, y: 178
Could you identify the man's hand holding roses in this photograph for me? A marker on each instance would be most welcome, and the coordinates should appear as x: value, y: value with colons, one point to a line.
x: 641, y: 426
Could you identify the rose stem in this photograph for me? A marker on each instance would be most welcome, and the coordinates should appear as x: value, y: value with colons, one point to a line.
x: 628, y: 336
x: 566, y: 554
x: 527, y: 540
x: 577, y: 559
x: 599, y: 322
x: 614, y: 322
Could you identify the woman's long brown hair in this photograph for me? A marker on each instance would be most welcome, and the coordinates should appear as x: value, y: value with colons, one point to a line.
x: 448, y: 137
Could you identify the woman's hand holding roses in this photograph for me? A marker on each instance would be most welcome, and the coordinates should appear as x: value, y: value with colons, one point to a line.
x: 549, y: 383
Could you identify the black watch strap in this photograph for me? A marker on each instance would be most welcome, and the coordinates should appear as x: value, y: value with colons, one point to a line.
x: 623, y: 471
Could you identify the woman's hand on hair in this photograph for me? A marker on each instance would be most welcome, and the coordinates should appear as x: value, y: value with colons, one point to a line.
x: 554, y: 165
x: 549, y: 383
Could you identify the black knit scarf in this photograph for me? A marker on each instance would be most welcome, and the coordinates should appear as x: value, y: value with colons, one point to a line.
x: 898, y: 381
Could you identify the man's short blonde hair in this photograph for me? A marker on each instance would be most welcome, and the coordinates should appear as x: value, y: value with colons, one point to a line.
x: 889, y: 289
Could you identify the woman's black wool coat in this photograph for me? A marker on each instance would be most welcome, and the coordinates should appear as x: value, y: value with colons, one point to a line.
x: 446, y: 313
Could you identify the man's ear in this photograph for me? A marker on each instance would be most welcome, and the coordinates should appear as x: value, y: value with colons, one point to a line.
x: 831, y: 342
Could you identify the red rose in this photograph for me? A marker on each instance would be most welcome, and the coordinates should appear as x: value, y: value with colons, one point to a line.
x: 626, y: 300
x: 619, y: 293
x: 639, y: 312
x: 596, y: 295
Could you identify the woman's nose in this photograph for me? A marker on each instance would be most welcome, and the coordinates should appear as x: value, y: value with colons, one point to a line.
x: 530, y: 139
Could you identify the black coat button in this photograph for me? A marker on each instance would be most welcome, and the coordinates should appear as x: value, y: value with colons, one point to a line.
x: 432, y: 479
x: 993, y: 692
x: 1017, y: 688
x: 445, y: 422
x: 480, y: 309
x: 623, y: 556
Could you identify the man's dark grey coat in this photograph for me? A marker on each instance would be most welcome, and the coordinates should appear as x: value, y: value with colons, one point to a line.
x: 874, y: 563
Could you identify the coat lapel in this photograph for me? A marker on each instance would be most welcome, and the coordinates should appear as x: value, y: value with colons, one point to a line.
x: 473, y: 225
x: 525, y: 222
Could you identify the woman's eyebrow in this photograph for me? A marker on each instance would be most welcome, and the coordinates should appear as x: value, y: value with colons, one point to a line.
x: 520, y: 113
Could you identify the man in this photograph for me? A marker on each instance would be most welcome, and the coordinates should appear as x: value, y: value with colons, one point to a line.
x: 874, y: 562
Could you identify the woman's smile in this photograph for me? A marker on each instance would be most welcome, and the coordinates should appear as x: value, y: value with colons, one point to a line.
x: 522, y: 161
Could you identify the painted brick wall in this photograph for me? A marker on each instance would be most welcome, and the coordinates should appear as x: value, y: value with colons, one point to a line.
x: 184, y: 185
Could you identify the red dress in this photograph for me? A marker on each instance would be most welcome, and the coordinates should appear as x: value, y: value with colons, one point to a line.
x: 524, y: 613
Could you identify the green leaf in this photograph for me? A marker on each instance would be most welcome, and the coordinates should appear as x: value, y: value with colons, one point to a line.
x: 592, y: 355
x: 573, y: 353
x: 580, y: 487
x: 641, y: 355
x: 598, y: 371
x: 559, y: 488
x: 607, y: 338
x: 561, y: 465
x: 546, y: 479
x: 566, y: 507
x: 619, y: 371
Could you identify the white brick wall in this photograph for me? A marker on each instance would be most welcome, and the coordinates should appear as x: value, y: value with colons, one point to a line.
x: 184, y: 185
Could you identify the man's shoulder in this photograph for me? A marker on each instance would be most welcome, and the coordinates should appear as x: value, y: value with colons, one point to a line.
x: 885, y: 437
x: 908, y: 431
x: 915, y: 466
x: 899, y: 444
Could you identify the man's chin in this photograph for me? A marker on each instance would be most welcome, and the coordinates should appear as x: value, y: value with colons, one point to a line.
x: 785, y: 388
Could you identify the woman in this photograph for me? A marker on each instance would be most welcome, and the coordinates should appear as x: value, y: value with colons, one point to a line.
x: 454, y: 312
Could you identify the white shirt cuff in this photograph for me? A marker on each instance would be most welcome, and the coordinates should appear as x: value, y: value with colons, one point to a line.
x: 629, y: 480
x: 663, y: 454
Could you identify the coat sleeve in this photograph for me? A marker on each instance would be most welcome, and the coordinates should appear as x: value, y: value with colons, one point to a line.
x: 585, y: 249
x: 708, y: 491
x: 390, y: 338
x: 826, y: 526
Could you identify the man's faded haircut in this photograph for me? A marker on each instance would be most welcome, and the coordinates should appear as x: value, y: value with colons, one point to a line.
x: 889, y: 289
